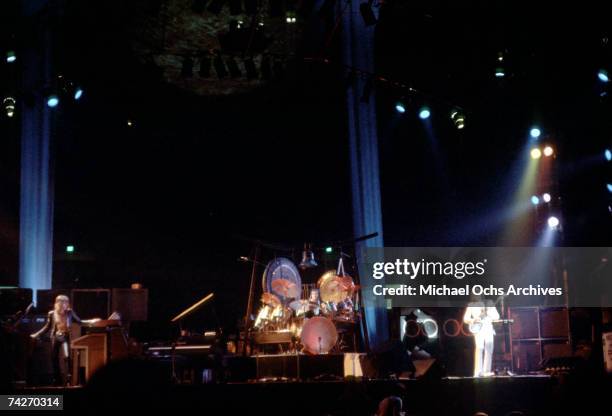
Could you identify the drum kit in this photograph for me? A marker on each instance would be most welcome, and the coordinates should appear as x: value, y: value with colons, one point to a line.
x: 315, y: 316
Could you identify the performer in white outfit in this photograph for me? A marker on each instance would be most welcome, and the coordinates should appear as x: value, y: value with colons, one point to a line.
x: 480, y: 317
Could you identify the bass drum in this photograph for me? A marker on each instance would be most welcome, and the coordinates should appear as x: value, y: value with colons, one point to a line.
x: 319, y: 335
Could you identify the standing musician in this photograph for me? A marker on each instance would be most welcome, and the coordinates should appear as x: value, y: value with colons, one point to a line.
x: 480, y: 316
x: 57, y: 328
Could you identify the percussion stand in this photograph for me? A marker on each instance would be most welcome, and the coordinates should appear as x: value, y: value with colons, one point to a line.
x: 249, y: 308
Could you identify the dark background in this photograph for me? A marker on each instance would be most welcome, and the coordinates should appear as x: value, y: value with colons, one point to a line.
x: 162, y: 202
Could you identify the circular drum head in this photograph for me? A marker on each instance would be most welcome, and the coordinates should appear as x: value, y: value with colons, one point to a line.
x: 282, y: 278
x: 318, y: 335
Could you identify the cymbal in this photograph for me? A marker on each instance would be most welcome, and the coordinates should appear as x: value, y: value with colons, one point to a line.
x: 330, y: 274
x: 271, y: 299
x: 335, y: 289
x: 318, y: 335
x: 286, y: 288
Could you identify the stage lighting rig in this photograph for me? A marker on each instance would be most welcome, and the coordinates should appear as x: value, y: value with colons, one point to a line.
x: 458, y: 118
x: 11, y: 57
x: 536, y: 153
x: 9, y: 106
x: 424, y: 113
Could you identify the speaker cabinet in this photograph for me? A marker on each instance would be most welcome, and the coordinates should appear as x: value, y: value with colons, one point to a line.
x: 132, y: 304
x: 14, y: 299
x: 554, y: 323
x: 91, y: 303
x: 45, y: 298
x: 526, y: 323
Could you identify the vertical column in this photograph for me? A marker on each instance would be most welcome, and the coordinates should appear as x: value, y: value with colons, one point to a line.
x: 36, y: 204
x: 358, y: 52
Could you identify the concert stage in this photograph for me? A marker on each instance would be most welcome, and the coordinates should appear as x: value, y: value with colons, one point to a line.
x: 537, y: 394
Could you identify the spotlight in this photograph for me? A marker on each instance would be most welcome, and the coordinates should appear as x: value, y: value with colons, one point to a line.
x: 536, y: 153
x: 546, y: 197
x: 365, y: 8
x: 400, y: 107
x: 553, y: 222
x: 9, y: 106
x: 458, y: 118
x: 78, y: 93
x: 290, y: 17
x: 11, y: 57
x: 609, y: 186
x: 603, y: 75
x: 499, y: 72
x: 548, y: 151
x: 52, y: 100
x: 500, y: 56
x: 130, y: 123
x: 424, y: 113
x: 535, y: 132
x: 70, y: 249
x: 535, y: 200
x: 329, y: 249
x: 608, y: 155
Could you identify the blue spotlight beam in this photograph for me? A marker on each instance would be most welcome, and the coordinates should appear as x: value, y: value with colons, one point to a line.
x: 37, y: 193
x: 358, y: 51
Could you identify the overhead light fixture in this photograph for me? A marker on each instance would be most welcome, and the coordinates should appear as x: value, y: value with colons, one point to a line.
x: 546, y: 197
x: 78, y: 93
x: 602, y: 74
x: 458, y: 118
x: 548, y: 151
x: 400, y: 107
x: 535, y: 200
x: 9, y: 106
x: 553, y: 222
x: 608, y: 155
x: 52, y: 101
x: 536, y: 153
x: 535, y: 132
x: 424, y: 113
x: 11, y: 57
x: 290, y: 17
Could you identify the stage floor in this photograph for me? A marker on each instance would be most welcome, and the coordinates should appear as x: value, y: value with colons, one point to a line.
x: 533, y: 394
